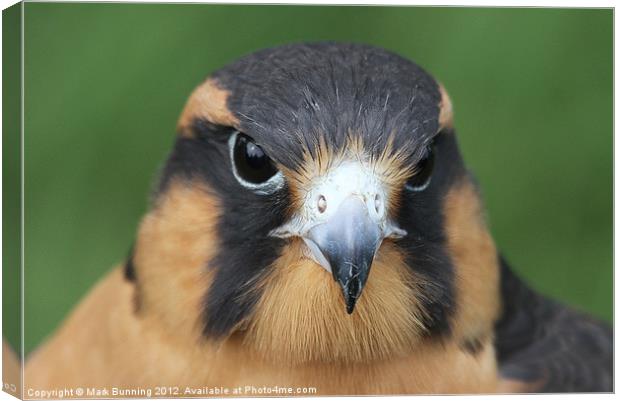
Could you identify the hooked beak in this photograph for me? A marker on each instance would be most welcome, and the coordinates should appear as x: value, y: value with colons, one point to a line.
x: 346, y: 244
x: 343, y: 223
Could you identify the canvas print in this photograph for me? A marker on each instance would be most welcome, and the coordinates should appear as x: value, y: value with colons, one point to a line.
x: 231, y: 200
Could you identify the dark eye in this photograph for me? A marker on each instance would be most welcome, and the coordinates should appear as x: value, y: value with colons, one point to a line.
x: 252, y: 166
x: 422, y: 173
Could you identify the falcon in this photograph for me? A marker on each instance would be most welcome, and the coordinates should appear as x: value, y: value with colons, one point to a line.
x: 315, y: 226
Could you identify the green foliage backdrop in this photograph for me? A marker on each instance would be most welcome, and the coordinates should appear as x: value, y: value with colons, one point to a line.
x: 105, y: 83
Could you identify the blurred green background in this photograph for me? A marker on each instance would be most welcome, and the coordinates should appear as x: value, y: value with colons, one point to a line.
x: 105, y: 83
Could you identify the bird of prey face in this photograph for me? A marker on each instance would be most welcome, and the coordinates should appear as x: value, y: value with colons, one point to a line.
x: 315, y: 224
x: 346, y: 226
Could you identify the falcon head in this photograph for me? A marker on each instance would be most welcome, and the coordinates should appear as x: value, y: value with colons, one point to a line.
x: 315, y: 207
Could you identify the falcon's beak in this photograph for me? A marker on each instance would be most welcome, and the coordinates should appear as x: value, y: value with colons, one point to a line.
x: 343, y: 224
x: 347, y: 244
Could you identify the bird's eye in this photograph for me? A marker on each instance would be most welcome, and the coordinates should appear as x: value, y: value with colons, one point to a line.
x: 422, y: 173
x: 251, y: 166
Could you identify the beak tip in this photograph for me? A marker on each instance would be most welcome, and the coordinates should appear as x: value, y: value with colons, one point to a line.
x: 351, y: 290
x: 351, y: 299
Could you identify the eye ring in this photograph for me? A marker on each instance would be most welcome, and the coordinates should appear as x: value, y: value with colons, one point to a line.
x: 421, y: 178
x: 266, y: 187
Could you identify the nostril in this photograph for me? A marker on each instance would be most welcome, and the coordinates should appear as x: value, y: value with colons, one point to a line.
x: 321, y: 204
x: 378, y: 204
